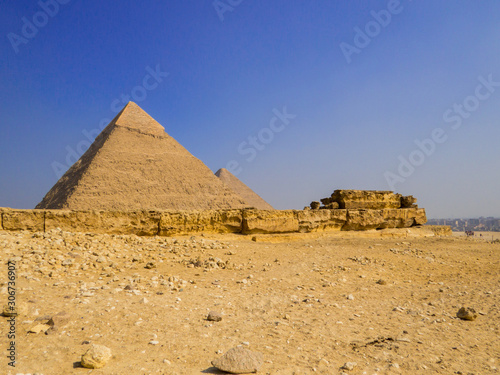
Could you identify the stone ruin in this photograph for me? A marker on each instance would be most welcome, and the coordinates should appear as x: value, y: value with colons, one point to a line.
x: 364, y: 199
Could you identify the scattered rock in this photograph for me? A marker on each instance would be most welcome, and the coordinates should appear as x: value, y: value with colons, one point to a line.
x: 382, y: 282
x: 214, y: 316
x: 60, y: 319
x: 315, y: 205
x: 14, y: 310
x: 39, y: 328
x: 467, y: 313
x: 239, y: 360
x: 96, y: 357
x: 150, y: 265
x: 349, y: 366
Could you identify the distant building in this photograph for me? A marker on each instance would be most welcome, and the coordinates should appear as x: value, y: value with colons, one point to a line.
x: 488, y: 224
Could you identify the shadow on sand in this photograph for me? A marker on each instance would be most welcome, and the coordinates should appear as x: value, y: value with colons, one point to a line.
x: 213, y: 370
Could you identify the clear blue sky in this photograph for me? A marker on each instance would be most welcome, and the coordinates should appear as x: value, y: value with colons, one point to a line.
x: 364, y: 79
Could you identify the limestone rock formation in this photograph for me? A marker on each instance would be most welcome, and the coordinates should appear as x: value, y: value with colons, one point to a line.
x: 315, y: 205
x: 135, y: 164
x: 248, y: 195
x: 408, y: 201
x: 259, y: 221
x: 321, y: 220
x: 246, y: 221
x: 364, y: 210
x: 364, y: 199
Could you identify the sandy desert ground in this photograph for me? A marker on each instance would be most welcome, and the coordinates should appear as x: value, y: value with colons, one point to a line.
x: 309, y: 305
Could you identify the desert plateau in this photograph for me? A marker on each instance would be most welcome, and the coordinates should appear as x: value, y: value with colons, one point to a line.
x: 371, y: 302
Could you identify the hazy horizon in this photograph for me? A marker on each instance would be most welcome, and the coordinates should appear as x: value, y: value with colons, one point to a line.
x: 296, y: 99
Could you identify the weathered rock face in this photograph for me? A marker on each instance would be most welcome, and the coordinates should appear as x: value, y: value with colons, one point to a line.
x: 315, y: 205
x: 366, y: 199
x: 321, y: 220
x: 260, y: 221
x: 381, y: 219
x: 408, y: 201
x: 170, y: 223
x: 141, y: 223
x: 185, y: 222
x: 363, y: 219
x: 366, y: 209
x: 32, y: 220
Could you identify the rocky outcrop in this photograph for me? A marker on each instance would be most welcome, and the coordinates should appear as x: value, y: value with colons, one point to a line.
x: 141, y: 223
x: 408, y: 201
x: 185, y: 222
x: 362, y: 199
x: 31, y: 220
x: 246, y: 221
x: 263, y: 221
x: 321, y: 220
x: 382, y: 219
x: 365, y: 199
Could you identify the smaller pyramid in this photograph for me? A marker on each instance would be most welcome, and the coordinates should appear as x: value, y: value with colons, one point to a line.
x: 248, y: 195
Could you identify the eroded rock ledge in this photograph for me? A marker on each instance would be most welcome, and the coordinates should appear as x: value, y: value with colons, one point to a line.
x: 365, y: 199
x: 169, y: 223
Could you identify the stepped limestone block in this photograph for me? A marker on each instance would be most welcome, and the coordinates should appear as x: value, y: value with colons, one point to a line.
x: 403, y: 218
x: 269, y: 221
x: 141, y: 223
x: 364, y: 219
x: 420, y: 216
x: 186, y: 222
x: 388, y: 218
x: 321, y: 220
x: 408, y: 201
x: 366, y: 199
x: 14, y: 220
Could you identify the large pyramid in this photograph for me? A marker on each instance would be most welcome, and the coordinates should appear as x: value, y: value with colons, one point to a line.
x: 134, y: 164
x: 242, y: 190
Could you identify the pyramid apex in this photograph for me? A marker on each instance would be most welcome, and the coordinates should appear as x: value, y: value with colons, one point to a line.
x: 134, y: 117
x: 221, y: 171
x: 248, y: 195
